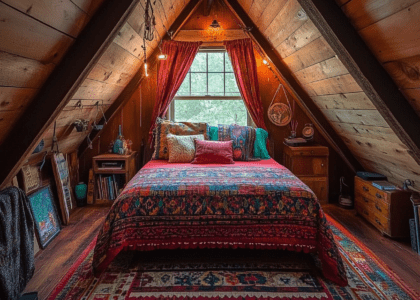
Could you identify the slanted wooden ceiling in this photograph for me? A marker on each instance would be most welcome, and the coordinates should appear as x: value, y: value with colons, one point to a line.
x: 35, y: 36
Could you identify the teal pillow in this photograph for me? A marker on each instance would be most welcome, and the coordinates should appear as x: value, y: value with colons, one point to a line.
x: 213, y: 133
x: 260, y: 149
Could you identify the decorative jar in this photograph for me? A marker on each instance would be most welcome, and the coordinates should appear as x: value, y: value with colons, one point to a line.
x: 81, y: 193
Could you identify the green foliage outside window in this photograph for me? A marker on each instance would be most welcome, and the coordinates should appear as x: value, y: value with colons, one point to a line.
x: 211, y: 75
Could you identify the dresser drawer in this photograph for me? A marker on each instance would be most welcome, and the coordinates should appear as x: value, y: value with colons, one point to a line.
x: 366, y: 188
x: 310, y: 166
x: 381, y: 222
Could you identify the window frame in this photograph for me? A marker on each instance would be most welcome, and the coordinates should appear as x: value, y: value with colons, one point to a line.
x: 171, y: 111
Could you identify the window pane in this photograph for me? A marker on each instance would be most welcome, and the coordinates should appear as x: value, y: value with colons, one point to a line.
x: 228, y: 64
x: 231, y: 87
x: 198, y: 84
x: 215, y: 62
x: 213, y: 112
x: 216, y: 84
x: 199, y: 64
x: 184, y: 89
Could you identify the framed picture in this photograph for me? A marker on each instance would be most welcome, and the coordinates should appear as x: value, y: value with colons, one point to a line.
x: 62, y: 180
x: 47, y: 223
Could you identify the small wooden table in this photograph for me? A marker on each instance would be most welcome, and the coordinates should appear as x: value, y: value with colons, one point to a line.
x: 309, y: 164
x: 111, y: 173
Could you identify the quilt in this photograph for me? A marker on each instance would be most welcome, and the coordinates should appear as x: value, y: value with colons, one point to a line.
x: 246, y: 205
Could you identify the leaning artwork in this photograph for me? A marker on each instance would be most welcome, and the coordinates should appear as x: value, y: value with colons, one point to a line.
x: 47, y: 223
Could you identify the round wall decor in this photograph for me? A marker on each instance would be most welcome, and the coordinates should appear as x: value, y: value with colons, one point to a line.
x: 279, y: 114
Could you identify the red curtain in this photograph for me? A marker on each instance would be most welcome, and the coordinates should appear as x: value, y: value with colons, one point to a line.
x: 241, y: 53
x: 171, y: 74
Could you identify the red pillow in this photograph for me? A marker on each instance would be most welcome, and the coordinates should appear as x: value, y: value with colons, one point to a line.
x: 213, y: 152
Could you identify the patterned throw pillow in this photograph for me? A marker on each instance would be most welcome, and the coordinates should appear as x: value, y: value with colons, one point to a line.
x: 213, y: 152
x: 182, y: 148
x: 260, y: 145
x: 243, y: 138
x: 164, y: 127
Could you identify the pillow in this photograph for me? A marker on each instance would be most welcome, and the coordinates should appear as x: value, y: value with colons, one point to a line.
x: 243, y: 138
x: 260, y: 145
x: 163, y: 127
x: 213, y: 135
x: 181, y: 147
x: 213, y: 152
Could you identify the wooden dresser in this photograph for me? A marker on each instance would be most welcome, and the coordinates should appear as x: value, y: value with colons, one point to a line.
x: 310, y: 164
x: 389, y: 211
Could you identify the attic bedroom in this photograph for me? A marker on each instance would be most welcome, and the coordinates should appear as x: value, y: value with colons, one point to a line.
x: 210, y: 149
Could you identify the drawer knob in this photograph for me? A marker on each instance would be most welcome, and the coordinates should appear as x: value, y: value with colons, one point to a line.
x: 378, y: 222
x: 365, y: 189
x: 322, y: 165
x: 378, y: 208
x: 312, y: 151
x: 378, y: 195
x: 365, y: 199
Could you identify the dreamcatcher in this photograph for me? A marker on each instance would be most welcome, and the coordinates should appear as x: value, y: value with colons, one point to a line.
x: 280, y: 114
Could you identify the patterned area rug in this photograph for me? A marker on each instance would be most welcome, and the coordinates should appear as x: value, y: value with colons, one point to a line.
x: 232, y: 274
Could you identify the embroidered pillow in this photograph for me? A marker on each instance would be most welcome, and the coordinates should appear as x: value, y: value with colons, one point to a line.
x: 213, y: 152
x: 243, y: 138
x: 181, y: 147
x: 164, y: 127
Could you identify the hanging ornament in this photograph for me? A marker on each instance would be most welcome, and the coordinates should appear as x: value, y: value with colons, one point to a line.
x: 279, y: 114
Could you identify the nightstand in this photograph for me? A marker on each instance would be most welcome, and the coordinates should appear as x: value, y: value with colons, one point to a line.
x: 111, y: 173
x: 309, y: 164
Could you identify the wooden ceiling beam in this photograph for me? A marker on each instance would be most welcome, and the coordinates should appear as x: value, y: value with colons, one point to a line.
x: 62, y: 84
x: 305, y: 101
x: 128, y: 91
x: 368, y: 72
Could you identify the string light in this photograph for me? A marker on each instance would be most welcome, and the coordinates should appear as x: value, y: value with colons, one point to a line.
x: 145, y: 69
x: 265, y: 62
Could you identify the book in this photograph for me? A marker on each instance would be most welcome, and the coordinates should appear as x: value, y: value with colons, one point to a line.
x: 413, y: 236
x: 369, y: 176
x: 384, y: 185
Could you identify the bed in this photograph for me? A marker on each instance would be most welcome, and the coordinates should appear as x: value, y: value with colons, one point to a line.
x: 252, y: 204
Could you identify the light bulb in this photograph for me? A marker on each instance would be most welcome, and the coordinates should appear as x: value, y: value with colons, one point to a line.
x: 145, y: 70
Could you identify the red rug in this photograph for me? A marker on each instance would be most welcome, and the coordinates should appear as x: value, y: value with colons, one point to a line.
x: 232, y: 274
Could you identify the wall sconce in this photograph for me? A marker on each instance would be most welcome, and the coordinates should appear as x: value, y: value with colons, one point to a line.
x: 215, y: 29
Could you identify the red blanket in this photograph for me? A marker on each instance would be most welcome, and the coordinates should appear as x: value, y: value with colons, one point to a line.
x: 246, y: 205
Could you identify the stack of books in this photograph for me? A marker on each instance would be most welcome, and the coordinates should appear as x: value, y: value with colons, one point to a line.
x: 107, y: 187
x: 295, y: 142
x: 384, y: 185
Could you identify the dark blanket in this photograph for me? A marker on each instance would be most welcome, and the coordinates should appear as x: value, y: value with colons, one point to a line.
x: 16, y: 243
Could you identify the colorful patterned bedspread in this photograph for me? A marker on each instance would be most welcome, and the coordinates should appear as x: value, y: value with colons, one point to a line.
x: 255, y: 206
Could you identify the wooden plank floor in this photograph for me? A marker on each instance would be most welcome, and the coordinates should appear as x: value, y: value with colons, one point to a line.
x: 397, y: 254
x: 53, y: 263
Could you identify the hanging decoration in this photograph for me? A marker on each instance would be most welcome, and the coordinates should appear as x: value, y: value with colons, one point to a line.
x: 280, y: 114
x: 149, y: 21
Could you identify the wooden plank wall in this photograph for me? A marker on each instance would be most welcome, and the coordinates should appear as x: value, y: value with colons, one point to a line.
x: 36, y: 34
x: 334, y: 90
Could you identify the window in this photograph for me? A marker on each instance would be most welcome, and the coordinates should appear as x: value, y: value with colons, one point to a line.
x: 209, y: 92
